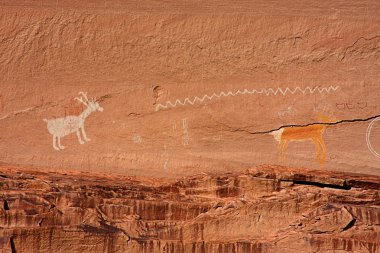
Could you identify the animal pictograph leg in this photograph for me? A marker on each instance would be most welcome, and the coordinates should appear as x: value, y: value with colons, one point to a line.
x: 59, y: 144
x: 55, y: 142
x: 322, y: 158
x: 84, y: 134
x: 79, y: 137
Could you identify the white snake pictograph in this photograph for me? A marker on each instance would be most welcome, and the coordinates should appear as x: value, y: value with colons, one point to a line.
x: 264, y: 91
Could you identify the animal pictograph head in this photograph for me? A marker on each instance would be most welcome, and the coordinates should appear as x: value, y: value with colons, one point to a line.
x: 92, y: 104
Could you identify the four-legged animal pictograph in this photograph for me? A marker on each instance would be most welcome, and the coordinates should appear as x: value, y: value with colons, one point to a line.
x: 303, y: 133
x: 61, y: 127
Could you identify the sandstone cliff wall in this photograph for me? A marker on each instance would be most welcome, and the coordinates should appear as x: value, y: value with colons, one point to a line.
x: 264, y: 210
x: 185, y: 87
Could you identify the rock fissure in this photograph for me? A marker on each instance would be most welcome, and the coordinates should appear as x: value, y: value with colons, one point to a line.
x: 353, y: 44
x: 321, y: 185
x: 6, y: 205
x: 232, y: 129
x: 13, y: 246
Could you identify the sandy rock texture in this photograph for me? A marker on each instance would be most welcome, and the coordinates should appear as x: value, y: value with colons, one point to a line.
x: 265, y: 209
x: 190, y: 86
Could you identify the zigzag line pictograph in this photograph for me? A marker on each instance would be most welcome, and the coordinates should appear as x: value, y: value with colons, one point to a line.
x: 264, y: 91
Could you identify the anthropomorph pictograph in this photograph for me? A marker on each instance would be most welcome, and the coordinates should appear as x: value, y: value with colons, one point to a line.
x: 312, y: 132
x: 61, y: 127
x: 185, y: 137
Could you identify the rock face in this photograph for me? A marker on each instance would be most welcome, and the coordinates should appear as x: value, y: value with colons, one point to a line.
x: 190, y: 87
x: 266, y: 209
x: 172, y: 103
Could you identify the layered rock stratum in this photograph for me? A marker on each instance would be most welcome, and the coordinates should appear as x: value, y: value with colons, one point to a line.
x: 148, y: 126
x: 266, y: 209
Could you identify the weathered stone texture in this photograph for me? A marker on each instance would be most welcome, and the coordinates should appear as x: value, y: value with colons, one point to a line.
x: 193, y: 98
x: 137, y: 56
x: 267, y: 209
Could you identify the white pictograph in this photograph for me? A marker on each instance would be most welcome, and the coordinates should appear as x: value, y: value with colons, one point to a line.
x: 136, y: 138
x: 185, y: 137
x: 368, y: 134
x: 288, y: 111
x: 264, y: 91
x: 61, y: 127
x: 166, y: 157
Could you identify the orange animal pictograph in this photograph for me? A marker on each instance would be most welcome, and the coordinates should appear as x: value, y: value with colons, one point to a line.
x: 313, y: 133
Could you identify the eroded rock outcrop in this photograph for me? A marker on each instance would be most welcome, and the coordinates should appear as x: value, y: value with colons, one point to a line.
x: 266, y: 209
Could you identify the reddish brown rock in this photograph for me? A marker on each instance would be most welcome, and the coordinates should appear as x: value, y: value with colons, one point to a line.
x: 193, y: 98
x: 267, y: 209
x: 190, y: 87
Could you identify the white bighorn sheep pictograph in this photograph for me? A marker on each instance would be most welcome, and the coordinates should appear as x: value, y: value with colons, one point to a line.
x: 61, y: 127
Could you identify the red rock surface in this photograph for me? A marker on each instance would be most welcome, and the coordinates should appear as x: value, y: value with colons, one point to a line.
x: 135, y: 56
x: 266, y: 209
x: 189, y: 97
